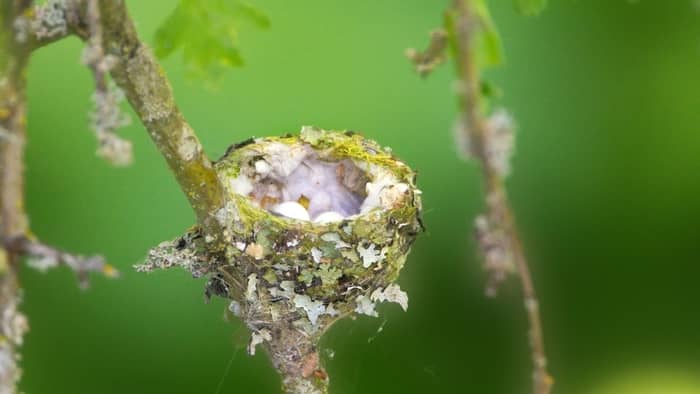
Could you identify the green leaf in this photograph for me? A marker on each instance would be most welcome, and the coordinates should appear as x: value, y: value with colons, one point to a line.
x: 253, y: 14
x: 487, y: 41
x: 489, y: 90
x: 207, y: 32
x: 489, y: 47
x: 530, y: 7
x: 170, y: 36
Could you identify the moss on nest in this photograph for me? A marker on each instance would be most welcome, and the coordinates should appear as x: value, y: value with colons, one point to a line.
x: 332, y: 263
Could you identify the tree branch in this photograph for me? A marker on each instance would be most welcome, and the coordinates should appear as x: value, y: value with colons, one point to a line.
x: 487, y: 137
x: 139, y: 75
x: 13, y: 61
x: 44, y: 257
x: 114, y: 46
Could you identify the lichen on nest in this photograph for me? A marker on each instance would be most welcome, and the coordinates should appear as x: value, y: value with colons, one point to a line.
x: 291, y: 272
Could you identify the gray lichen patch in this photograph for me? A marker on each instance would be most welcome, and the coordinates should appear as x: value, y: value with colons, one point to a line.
x: 291, y: 277
x: 498, y: 141
x: 495, y: 246
x: 105, y: 118
x: 257, y: 338
x: 13, y: 326
x: 50, y: 19
x: 370, y: 254
x: 365, y: 306
x: 313, y: 309
x: 188, y: 148
x: 185, y: 252
x: 391, y: 293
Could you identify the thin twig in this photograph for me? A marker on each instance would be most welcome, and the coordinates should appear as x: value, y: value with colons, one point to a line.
x: 480, y: 133
x: 107, y: 116
x: 434, y: 55
x: 44, y: 257
x: 113, y: 39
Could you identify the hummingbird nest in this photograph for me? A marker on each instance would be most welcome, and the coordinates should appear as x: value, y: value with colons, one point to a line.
x: 317, y: 227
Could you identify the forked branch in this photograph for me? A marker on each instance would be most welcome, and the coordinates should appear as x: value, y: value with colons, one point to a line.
x: 114, y: 46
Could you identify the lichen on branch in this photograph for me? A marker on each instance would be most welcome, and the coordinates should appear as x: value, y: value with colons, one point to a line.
x: 107, y: 116
x: 43, y: 257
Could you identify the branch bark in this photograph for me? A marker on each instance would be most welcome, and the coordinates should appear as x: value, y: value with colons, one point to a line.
x: 13, y: 61
x: 295, y: 356
x: 22, y: 30
x: 498, y: 206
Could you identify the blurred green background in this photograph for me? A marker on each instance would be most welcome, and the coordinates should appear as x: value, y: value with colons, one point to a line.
x: 606, y: 188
